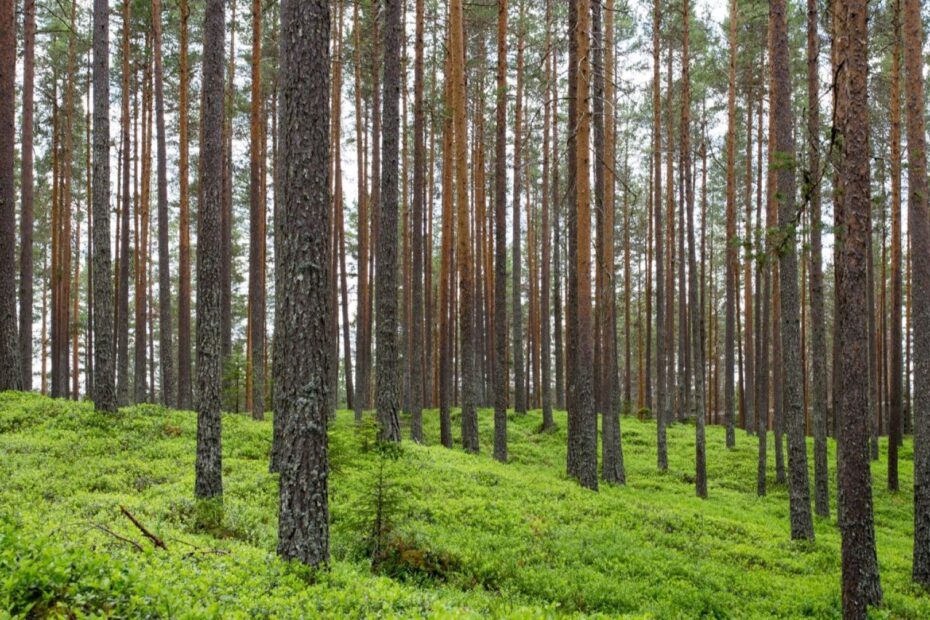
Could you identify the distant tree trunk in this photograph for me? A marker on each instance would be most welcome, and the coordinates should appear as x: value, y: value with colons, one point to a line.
x: 516, y: 275
x: 419, y: 196
x: 802, y: 526
x: 604, y: 171
x: 546, y: 275
x: 361, y: 363
x: 388, y: 368
x: 585, y: 427
x: 122, y: 301
x: 697, y: 326
x: 185, y: 398
x: 141, y: 253
x: 861, y: 586
x: 557, y: 200
x: 919, y: 228
x: 661, y: 366
x: 730, y: 335
x: 227, y: 196
x: 10, y: 370
x: 168, y: 397
x: 500, y: 242
x: 818, y: 335
x: 209, y: 482
x: 763, y: 313
x: 26, y: 181
x: 301, y: 382
x: 897, y: 367
x: 445, y: 274
x: 256, y: 225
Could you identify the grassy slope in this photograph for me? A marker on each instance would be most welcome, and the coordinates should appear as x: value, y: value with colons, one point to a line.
x: 476, y: 537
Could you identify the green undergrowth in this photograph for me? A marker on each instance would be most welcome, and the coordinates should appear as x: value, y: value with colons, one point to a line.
x: 419, y: 531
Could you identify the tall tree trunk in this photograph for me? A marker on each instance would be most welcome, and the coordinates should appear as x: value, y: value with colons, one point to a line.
x: 388, y: 368
x: 419, y: 196
x: 661, y: 366
x: 185, y: 397
x: 730, y: 335
x: 802, y: 526
x: 896, y: 368
x: 463, y: 256
x: 26, y: 181
x: 104, y: 393
x: 168, y: 396
x: 586, y: 412
x: 516, y: 275
x: 256, y: 225
x: 818, y: 330
x: 209, y: 481
x: 141, y: 253
x: 861, y: 585
x: 546, y: 272
x: 444, y: 374
x: 361, y: 364
x: 697, y: 326
x: 500, y: 242
x: 10, y: 370
x: 919, y: 228
x: 227, y: 197
x: 301, y: 382
x: 122, y: 301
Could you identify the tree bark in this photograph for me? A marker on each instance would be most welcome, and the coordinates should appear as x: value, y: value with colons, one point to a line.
x: 185, y: 397
x: 861, y: 585
x: 500, y: 242
x: 896, y: 367
x: 10, y: 370
x: 661, y: 366
x: 209, y: 482
x: 302, y: 386
x: 919, y: 228
x: 256, y: 226
x: 516, y: 267
x: 388, y: 367
x: 802, y: 526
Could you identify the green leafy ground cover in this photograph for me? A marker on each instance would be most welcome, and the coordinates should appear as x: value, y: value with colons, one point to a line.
x: 462, y: 536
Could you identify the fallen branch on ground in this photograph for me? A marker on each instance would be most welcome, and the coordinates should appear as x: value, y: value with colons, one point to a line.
x: 158, y: 542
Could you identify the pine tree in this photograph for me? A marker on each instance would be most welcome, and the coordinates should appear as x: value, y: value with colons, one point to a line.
x: 209, y: 481
x: 303, y: 263
x: 10, y: 373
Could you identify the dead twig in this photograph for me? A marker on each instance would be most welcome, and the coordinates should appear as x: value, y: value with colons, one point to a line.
x: 128, y: 541
x: 158, y: 542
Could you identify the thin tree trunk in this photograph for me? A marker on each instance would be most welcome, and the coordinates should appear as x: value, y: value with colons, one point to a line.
x: 516, y: 275
x: 661, y: 366
x: 256, y: 361
x: 122, y: 303
x: 26, y: 276
x: 185, y: 398
x: 896, y: 367
x: 818, y: 329
x: 500, y: 241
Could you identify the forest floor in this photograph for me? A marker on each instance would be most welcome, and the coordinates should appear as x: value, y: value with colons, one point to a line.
x: 462, y: 535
